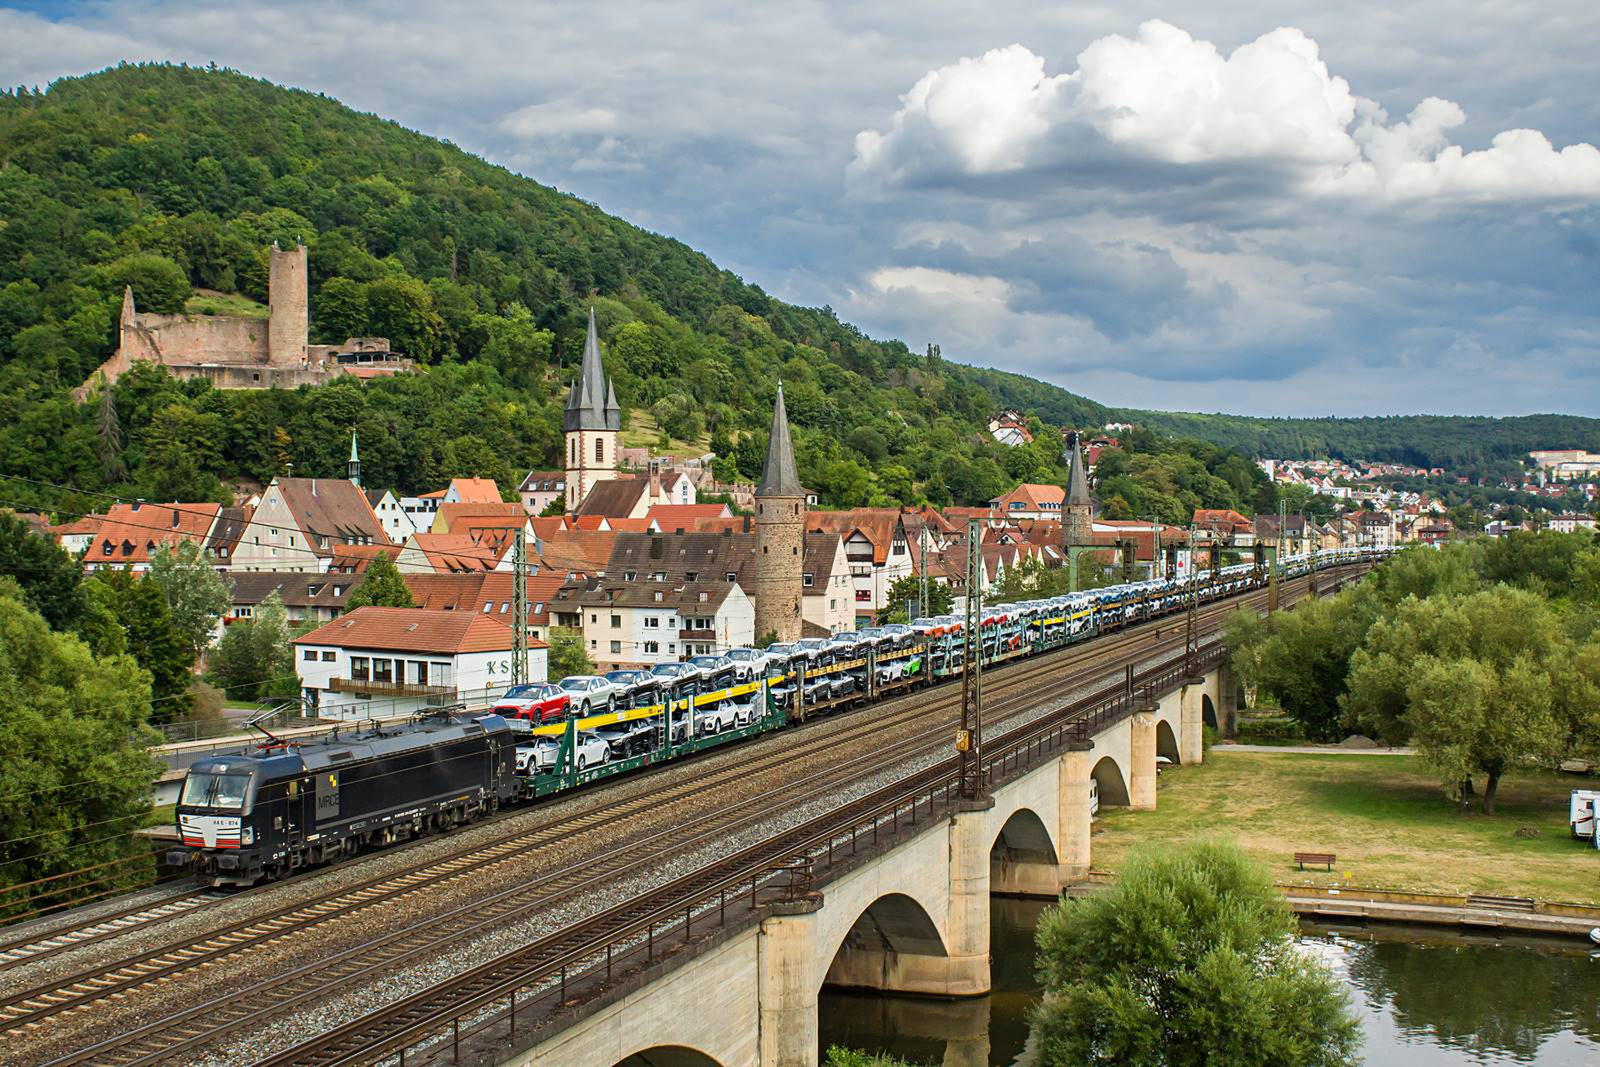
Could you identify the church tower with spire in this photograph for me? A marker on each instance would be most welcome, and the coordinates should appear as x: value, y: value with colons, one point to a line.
x: 353, y: 468
x: 1077, y: 513
x: 593, y: 425
x: 780, y: 535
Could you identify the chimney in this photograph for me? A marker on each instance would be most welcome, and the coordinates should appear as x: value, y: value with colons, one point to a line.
x: 313, y: 487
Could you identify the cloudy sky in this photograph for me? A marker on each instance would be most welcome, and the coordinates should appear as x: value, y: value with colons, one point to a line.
x: 1276, y: 208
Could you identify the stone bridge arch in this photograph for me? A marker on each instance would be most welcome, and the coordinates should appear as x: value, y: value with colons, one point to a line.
x: 669, y: 1056
x: 1024, y: 860
x: 887, y: 946
x: 1167, y: 741
x: 1111, y: 782
x: 1208, y: 712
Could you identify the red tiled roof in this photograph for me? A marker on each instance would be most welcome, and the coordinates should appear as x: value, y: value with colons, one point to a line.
x: 1032, y: 494
x: 470, y: 592
x: 133, y: 531
x: 476, y: 490
x: 413, y: 630
x: 672, y: 517
x: 878, y: 525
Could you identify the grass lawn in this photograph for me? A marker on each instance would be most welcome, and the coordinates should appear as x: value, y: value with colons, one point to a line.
x: 225, y: 304
x: 642, y: 432
x: 1385, y: 818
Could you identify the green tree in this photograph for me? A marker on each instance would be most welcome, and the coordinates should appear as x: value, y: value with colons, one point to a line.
x: 197, y: 596
x: 140, y: 609
x: 48, y: 577
x: 1188, y: 959
x: 382, y: 586
x: 159, y: 285
x: 78, y: 772
x: 255, y: 659
x: 909, y: 588
x: 1480, y: 684
x: 567, y: 656
x: 519, y: 350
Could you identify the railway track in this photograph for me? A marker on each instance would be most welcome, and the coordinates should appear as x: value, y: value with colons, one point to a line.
x: 32, y: 946
x: 626, y: 935
x: 1012, y: 688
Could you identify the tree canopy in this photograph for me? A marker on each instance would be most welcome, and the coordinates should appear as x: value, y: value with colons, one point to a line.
x: 382, y: 586
x: 1189, y: 958
x: 78, y: 773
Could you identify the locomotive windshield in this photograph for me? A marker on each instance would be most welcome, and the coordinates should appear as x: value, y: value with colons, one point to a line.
x: 203, y: 790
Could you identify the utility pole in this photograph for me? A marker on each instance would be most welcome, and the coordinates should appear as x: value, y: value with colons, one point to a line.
x: 1189, y: 647
x: 519, y: 611
x: 969, y: 740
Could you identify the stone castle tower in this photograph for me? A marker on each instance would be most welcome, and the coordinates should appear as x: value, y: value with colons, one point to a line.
x: 289, y: 326
x: 780, y: 535
x: 593, y: 425
x: 1077, y: 513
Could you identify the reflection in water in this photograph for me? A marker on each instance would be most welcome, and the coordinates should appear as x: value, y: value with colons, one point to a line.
x: 1425, y: 999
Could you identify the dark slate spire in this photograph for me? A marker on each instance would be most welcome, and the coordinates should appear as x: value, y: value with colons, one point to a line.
x: 591, y: 405
x: 353, y: 469
x: 778, y: 477
x: 1078, y: 479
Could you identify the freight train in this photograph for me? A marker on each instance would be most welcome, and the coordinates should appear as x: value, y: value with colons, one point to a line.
x: 270, y: 810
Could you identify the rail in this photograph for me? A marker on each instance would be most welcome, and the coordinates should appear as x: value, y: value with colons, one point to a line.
x: 594, y: 954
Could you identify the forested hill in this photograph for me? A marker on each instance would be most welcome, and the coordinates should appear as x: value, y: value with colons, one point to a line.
x: 1467, y: 444
x: 176, y: 179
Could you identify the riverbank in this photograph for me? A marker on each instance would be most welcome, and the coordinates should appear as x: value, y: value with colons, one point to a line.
x: 1386, y: 820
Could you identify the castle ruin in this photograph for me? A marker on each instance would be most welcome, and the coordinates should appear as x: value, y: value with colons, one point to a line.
x: 242, y: 351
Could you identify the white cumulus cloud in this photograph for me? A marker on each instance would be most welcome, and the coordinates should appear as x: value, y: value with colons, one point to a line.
x: 1165, y: 97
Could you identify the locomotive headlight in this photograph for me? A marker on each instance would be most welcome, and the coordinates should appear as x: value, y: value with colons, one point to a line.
x: 247, y: 836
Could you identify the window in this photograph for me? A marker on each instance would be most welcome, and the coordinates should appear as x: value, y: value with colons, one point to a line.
x: 652, y: 648
x: 488, y: 606
x: 692, y: 576
x: 593, y: 618
x: 658, y: 576
x: 328, y: 655
x: 383, y: 670
x: 805, y: 580
x: 505, y: 606
x: 730, y: 576
x: 359, y: 668
x: 338, y: 590
x: 629, y: 576
x: 309, y: 654
x: 538, y: 609
x: 651, y: 622
x: 616, y: 624
x: 243, y: 612
x: 599, y: 449
x: 616, y: 646
x: 572, y: 452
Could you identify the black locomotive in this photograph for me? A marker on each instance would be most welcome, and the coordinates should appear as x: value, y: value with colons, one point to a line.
x: 276, y: 808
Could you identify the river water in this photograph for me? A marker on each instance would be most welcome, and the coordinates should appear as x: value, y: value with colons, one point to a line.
x: 1425, y: 998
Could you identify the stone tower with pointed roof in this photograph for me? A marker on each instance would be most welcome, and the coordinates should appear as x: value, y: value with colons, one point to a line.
x: 780, y: 536
x: 1077, y: 511
x: 593, y: 425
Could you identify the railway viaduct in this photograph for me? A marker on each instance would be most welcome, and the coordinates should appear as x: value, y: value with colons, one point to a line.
x: 910, y: 918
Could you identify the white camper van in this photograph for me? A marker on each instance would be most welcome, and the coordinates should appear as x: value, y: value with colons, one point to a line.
x: 1585, y: 802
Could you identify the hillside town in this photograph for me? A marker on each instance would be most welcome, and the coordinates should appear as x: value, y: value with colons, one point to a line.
x: 619, y: 548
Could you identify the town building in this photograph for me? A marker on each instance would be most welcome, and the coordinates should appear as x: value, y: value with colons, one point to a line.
x: 540, y: 489
x: 593, y: 425
x: 300, y: 523
x: 1570, y: 522
x: 490, y: 593
x: 780, y: 536
x: 312, y: 596
x: 130, y: 533
x: 423, y: 508
x: 876, y: 550
x: 383, y: 662
x: 828, y: 600
x: 639, y: 622
x: 1077, y: 511
x: 1031, y: 500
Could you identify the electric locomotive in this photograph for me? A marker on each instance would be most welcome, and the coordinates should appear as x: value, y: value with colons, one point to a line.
x: 270, y: 810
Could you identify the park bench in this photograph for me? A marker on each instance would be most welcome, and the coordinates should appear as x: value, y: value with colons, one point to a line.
x: 1316, y: 859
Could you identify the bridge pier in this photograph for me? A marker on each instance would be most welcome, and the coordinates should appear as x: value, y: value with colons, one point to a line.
x: 1227, y: 700
x: 1073, y: 826
x: 785, y: 986
x: 1191, y: 733
x: 1142, y: 759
